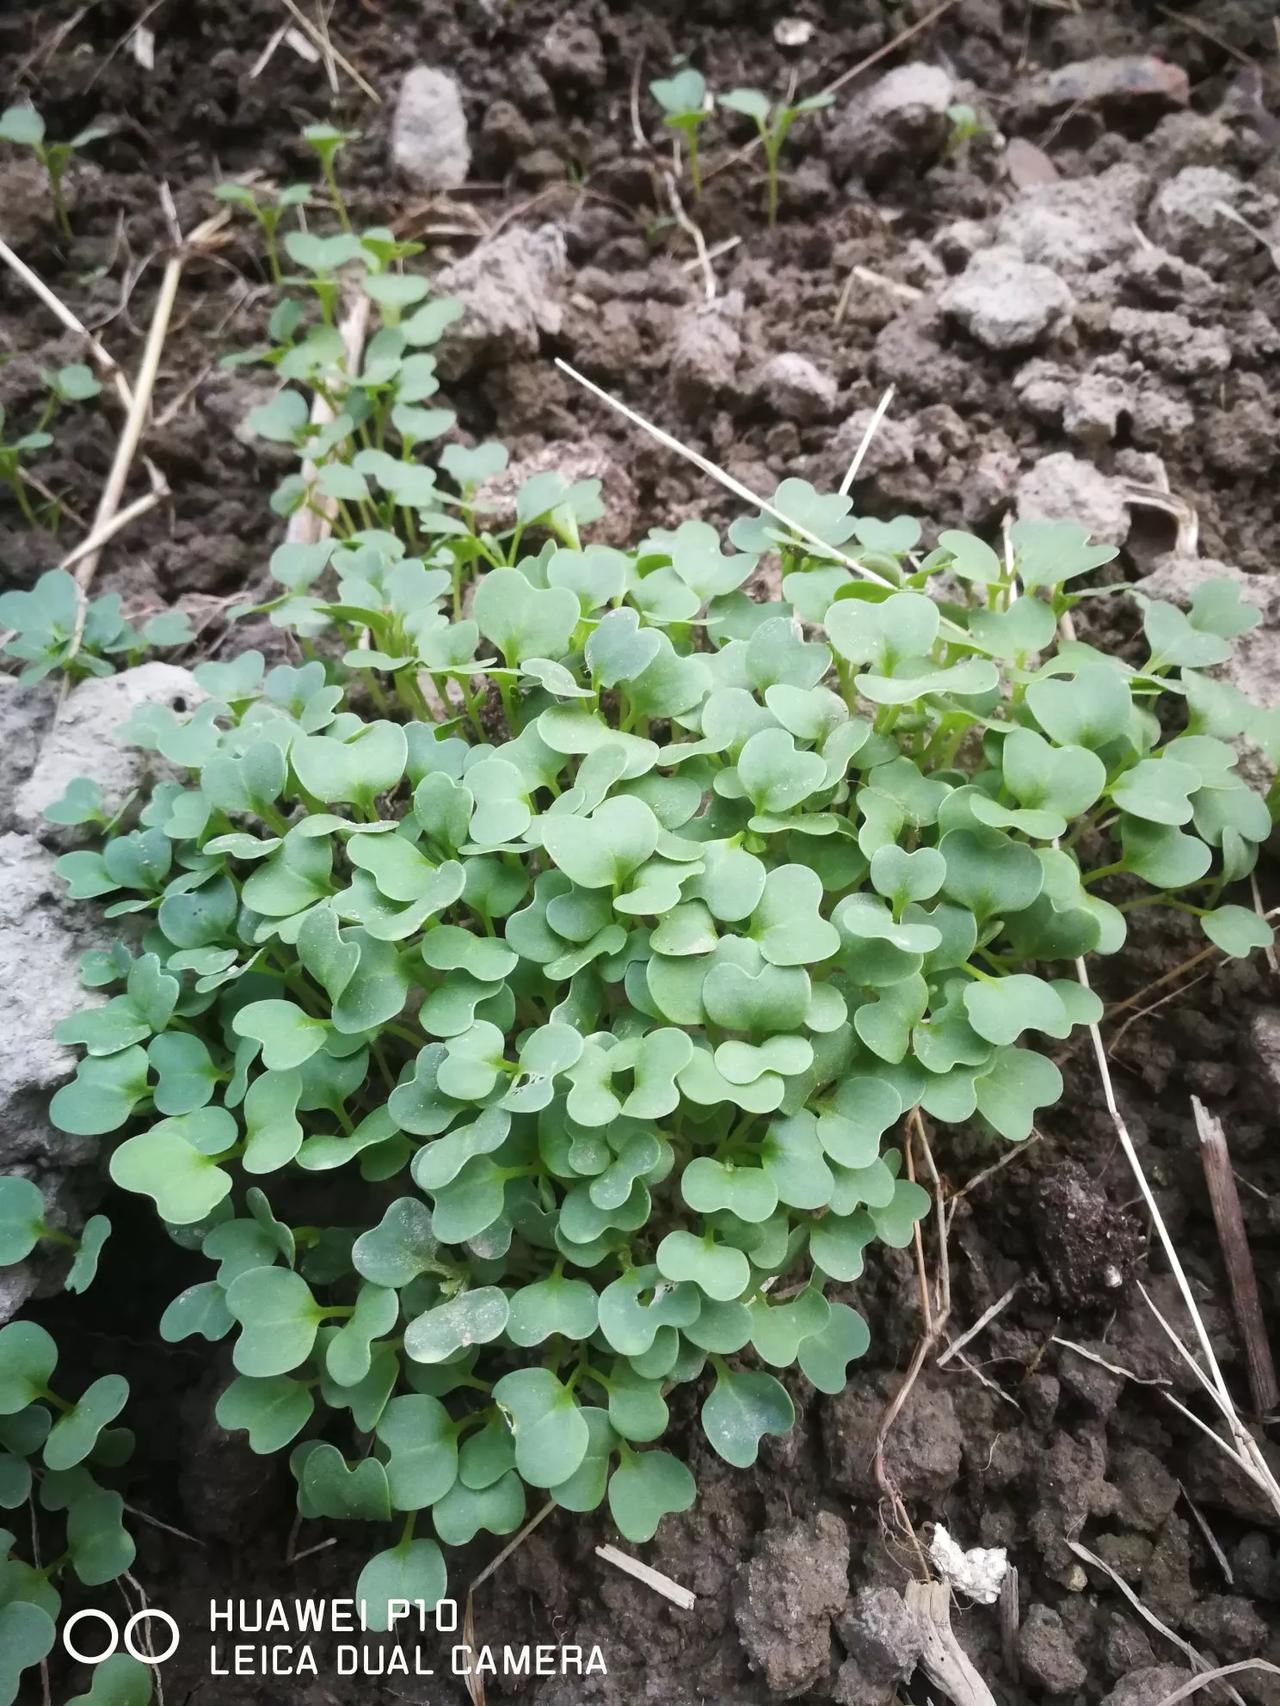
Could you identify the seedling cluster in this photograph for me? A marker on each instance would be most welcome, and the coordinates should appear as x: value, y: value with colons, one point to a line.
x: 46, y: 635
x: 54, y: 1452
x: 523, y: 996
x: 686, y: 106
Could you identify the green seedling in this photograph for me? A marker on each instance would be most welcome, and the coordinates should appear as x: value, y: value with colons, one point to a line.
x: 13, y: 453
x: 773, y: 124
x: 24, y: 126
x: 23, y: 1227
x: 43, y: 633
x: 268, y: 213
x: 75, y: 383
x: 965, y: 125
x: 683, y: 99
x: 327, y: 140
x: 53, y: 1453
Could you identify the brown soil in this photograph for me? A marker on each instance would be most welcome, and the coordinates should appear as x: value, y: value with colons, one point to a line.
x: 1023, y: 1442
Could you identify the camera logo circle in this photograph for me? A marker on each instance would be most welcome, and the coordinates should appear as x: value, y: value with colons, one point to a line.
x: 113, y: 1636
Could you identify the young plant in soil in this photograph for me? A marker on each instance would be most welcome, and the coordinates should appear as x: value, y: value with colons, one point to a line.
x: 23, y: 126
x: 43, y: 630
x: 683, y: 99
x: 52, y: 1454
x: 269, y: 215
x: 522, y: 995
x: 774, y: 125
x: 74, y: 383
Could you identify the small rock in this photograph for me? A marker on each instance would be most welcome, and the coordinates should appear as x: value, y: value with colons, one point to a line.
x: 572, y: 56
x: 900, y: 120
x: 1148, y: 1686
x: 495, y: 499
x: 1230, y: 1625
x: 794, y: 32
x: 83, y: 741
x: 1060, y: 487
x: 1076, y: 224
x: 1187, y: 216
x: 1141, y: 87
x: 429, y: 131
x: 704, y: 353
x: 1166, y: 1581
x: 1046, y: 1654
x: 1188, y: 139
x: 923, y: 1451
x: 893, y: 443
x: 1252, y: 1565
x: 510, y: 290
x: 796, y: 388
x: 1092, y: 408
x: 785, y: 1598
x: 1171, y: 344
x: 1086, y: 1380
x: 1125, y: 1646
x: 506, y: 127
x: 1148, y: 1492
x: 1005, y: 302
x: 1026, y: 165
x: 881, y: 1635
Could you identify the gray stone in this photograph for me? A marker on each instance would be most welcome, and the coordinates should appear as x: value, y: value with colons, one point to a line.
x: 25, y: 713
x: 785, y: 1597
x: 1148, y: 1492
x: 1092, y: 408
x: 42, y: 936
x: 429, y: 141
x: 705, y: 352
x: 572, y: 55
x: 1076, y: 224
x: 1007, y: 303
x: 1171, y: 343
x: 1229, y: 1625
x: 1187, y: 216
x: 1147, y: 1686
x: 1062, y: 487
x: 1046, y: 1654
x: 1138, y: 84
x: 510, y: 290
x: 900, y: 119
x: 84, y: 741
x: 881, y: 1634
x: 796, y: 388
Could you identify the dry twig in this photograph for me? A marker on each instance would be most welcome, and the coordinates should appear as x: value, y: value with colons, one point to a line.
x: 686, y: 224
x: 984, y: 1320
x: 326, y: 46
x: 851, y: 474
x: 1224, y: 1200
x: 942, y: 1659
x: 104, y: 362
x: 684, y: 1597
x: 1198, y: 1682
x: 1149, y: 1616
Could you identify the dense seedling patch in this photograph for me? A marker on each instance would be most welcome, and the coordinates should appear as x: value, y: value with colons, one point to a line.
x: 520, y: 997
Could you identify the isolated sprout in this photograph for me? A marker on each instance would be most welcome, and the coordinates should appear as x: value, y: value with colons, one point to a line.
x: 965, y: 125
x: 683, y: 99
x: 773, y: 123
x: 13, y: 452
x: 268, y: 214
x: 326, y: 139
x: 24, y: 126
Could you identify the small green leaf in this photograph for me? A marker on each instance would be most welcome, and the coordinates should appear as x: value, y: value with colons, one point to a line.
x: 741, y: 1408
